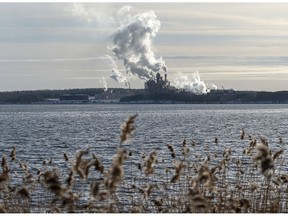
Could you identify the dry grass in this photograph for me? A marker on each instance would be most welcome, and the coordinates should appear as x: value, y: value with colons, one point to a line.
x: 189, y: 177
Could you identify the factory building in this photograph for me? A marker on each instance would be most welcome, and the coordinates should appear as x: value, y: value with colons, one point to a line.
x: 74, y: 98
x: 158, y: 85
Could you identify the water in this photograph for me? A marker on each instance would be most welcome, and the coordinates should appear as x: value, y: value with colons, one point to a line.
x: 41, y: 132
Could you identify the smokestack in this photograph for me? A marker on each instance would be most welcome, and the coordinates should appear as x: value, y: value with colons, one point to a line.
x: 165, y: 77
x: 158, y: 76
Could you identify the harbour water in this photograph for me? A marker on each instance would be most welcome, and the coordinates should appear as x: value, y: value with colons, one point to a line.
x: 43, y: 132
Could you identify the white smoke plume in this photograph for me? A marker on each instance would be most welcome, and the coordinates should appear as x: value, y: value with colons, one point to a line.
x: 116, y: 74
x: 192, y: 84
x: 214, y: 86
x: 133, y: 45
x: 119, y: 77
x: 105, y: 88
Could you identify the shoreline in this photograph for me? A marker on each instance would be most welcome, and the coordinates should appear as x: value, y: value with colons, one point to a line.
x: 147, y: 102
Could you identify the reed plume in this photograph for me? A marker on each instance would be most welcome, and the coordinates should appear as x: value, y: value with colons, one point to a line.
x: 116, y: 172
x: 82, y: 166
x: 70, y: 180
x: 185, y: 150
x: 4, y: 177
x: 13, y: 153
x: 227, y: 152
x: 178, y: 168
x: 264, y: 158
x: 206, y: 176
x: 253, y: 143
x: 171, y: 149
x: 127, y: 128
x: 242, y: 134
x: 28, y: 179
x: 95, y: 188
x: 66, y: 158
x: 254, y: 186
x: 197, y: 201
x: 2, y: 209
x: 23, y: 192
x: 4, y: 164
x: 150, y: 163
x: 52, y: 182
x: 146, y: 190
x: 23, y: 166
x: 193, y: 143
x: 277, y: 154
x: 97, y: 164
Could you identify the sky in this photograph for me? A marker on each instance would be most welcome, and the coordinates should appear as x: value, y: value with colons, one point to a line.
x: 243, y: 46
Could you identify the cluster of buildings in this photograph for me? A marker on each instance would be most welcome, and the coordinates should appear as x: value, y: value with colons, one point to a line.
x: 158, y: 85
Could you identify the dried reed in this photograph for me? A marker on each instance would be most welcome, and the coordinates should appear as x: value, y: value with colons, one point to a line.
x: 201, y: 181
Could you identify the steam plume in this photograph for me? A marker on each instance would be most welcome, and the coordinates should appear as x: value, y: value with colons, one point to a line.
x: 104, y: 84
x: 192, y: 84
x: 133, y: 45
x: 117, y: 75
x: 214, y: 86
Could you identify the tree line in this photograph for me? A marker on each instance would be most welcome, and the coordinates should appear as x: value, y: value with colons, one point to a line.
x: 33, y: 96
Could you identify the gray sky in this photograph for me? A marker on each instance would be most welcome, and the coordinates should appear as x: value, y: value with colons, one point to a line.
x: 243, y: 46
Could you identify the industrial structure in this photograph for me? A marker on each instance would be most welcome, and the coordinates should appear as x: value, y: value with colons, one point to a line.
x: 74, y: 98
x: 158, y: 85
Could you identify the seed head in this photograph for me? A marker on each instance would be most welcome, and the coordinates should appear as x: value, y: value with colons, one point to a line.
x: 277, y: 154
x: 2, y: 209
x: 178, y: 168
x: 13, y: 153
x: 95, y: 188
x: 24, y: 193
x: 127, y: 128
x: 242, y: 134
x: 116, y: 172
x: 65, y: 156
x: 149, y: 168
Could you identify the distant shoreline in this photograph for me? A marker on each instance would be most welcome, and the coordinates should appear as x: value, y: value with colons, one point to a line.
x: 147, y: 102
x: 141, y: 96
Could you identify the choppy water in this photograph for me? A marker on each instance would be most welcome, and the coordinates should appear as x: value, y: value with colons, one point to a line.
x: 41, y: 132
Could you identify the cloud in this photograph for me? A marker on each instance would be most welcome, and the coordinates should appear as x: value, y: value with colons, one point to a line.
x: 108, y: 18
x: 226, y: 19
x: 91, y: 16
x: 53, y: 60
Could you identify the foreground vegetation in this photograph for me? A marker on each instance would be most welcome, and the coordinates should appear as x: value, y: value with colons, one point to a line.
x: 189, y: 177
